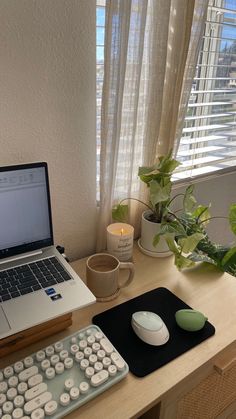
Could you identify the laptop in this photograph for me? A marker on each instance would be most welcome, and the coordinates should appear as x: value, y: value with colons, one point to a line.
x: 36, y: 282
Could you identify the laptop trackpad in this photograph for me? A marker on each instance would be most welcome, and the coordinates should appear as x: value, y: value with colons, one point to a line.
x: 4, y: 325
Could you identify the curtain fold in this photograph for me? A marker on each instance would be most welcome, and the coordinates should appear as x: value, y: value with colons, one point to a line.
x: 147, y: 73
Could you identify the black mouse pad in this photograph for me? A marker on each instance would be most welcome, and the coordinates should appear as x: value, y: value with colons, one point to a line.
x: 141, y: 357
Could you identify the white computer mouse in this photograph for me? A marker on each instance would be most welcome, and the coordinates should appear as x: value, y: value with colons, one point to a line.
x: 150, y: 328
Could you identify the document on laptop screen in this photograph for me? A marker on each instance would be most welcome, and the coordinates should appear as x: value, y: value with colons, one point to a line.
x: 24, y: 216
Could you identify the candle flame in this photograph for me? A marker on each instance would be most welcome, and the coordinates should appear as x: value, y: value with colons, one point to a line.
x: 122, y: 232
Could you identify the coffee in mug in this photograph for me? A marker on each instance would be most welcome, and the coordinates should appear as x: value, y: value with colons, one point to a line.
x: 102, y: 272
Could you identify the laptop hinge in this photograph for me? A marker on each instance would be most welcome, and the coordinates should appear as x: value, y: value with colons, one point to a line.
x: 21, y: 256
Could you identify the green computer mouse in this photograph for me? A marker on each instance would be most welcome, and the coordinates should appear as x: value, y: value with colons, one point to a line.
x: 190, y: 320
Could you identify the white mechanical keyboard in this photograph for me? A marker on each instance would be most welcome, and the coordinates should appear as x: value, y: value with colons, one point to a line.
x: 61, y: 377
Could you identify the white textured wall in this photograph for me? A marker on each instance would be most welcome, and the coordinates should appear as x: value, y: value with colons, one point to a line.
x: 220, y: 192
x: 47, y: 106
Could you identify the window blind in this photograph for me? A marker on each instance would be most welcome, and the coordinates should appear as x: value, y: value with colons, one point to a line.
x: 208, y: 140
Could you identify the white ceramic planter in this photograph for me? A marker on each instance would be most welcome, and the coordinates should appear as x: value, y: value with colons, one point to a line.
x: 148, y: 231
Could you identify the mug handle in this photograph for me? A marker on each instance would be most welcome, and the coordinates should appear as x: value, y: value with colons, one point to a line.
x: 130, y: 267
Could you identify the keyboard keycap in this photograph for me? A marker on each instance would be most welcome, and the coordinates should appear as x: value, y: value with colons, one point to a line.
x: 8, y: 372
x: 83, y: 387
x: 3, y: 387
x: 74, y: 393
x: 6, y: 297
x: 58, y: 346
x: 5, y: 286
x: 50, y: 373
x: 64, y: 399
x: 117, y: 361
x: 39, y: 401
x: 40, y: 356
x: 7, y: 407
x: 3, y: 399
x: 59, y: 279
x: 66, y: 276
x: 11, y: 393
x: 51, y: 282
x: 35, y: 391
x: 19, y: 401
x: 50, y: 407
x: 36, y: 287
x: 28, y: 361
x: 25, y: 291
x: 13, y: 381
x: 22, y: 387
x: 35, y: 380
x: 38, y: 414
x: 59, y: 368
x: 69, y: 383
x: 99, y: 378
x: 17, y: 413
x: 29, y: 372
x: 18, y: 367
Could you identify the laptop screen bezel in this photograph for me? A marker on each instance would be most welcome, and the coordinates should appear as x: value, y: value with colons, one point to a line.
x: 16, y: 250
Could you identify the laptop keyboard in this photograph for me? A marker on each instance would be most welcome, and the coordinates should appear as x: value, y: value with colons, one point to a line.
x: 31, y: 277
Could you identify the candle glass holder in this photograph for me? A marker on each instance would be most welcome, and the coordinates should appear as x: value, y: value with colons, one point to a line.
x: 120, y: 238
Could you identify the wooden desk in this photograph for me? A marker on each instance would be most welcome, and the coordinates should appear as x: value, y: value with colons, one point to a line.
x: 204, y: 289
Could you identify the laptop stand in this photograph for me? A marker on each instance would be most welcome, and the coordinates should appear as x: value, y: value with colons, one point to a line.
x: 34, y: 334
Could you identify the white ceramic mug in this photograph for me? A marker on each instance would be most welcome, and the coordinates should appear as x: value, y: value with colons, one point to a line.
x: 102, y: 272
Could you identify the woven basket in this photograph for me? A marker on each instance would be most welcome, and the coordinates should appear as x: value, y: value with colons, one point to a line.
x: 210, y: 398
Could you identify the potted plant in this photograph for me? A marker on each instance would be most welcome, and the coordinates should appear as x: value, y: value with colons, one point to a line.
x: 158, y: 180
x: 184, y: 231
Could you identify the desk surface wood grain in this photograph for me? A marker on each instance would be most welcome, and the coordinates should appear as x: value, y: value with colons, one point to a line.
x: 203, y: 288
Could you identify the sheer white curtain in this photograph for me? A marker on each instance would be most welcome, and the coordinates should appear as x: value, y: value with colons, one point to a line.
x: 146, y: 49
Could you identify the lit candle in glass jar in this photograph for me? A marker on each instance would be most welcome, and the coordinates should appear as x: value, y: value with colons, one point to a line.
x: 120, y: 240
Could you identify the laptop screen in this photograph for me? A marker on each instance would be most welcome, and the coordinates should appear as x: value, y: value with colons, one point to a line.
x: 25, y: 212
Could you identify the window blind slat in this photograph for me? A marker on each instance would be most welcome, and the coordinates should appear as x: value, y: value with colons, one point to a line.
x: 217, y: 115
x: 214, y: 91
x: 222, y: 9
x: 199, y: 151
x: 198, y: 140
x: 206, y: 128
x: 194, y: 105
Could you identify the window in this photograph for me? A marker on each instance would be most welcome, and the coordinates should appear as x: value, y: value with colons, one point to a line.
x: 100, y: 29
x: 208, y: 140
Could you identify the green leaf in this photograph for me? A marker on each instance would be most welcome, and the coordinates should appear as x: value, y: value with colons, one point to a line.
x: 202, y: 213
x: 164, y: 167
x: 169, y: 166
x: 173, y: 246
x: 188, y: 244
x: 201, y: 257
x: 167, y: 229
x: 120, y: 213
x: 156, y: 239
x: 231, y: 269
x: 189, y: 202
x: 159, y: 193
x: 189, y: 189
x: 232, y: 217
x: 229, y: 256
x: 145, y: 170
x: 183, y: 262
x: 173, y: 227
